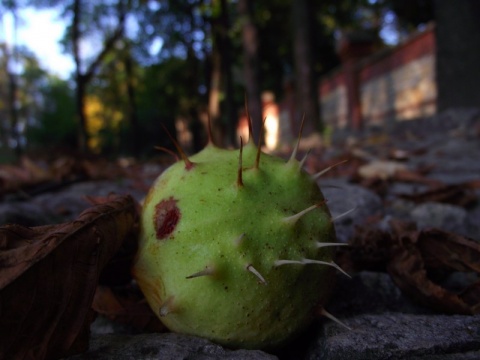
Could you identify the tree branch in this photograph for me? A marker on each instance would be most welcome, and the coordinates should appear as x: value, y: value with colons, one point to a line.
x: 117, y: 34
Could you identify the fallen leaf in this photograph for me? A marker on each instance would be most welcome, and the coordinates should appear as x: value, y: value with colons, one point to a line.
x: 117, y: 271
x: 471, y: 296
x: 37, y: 173
x: 126, y: 306
x: 398, y: 154
x: 416, y: 176
x: 416, y: 257
x: 449, y: 251
x: 381, y: 169
x: 417, y: 261
x: 48, y: 277
x: 369, y: 249
x: 459, y: 195
x: 31, y: 177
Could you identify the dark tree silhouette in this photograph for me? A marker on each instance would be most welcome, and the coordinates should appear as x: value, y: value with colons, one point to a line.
x: 251, y: 64
x: 458, y: 53
x: 305, y: 80
x: 83, y: 77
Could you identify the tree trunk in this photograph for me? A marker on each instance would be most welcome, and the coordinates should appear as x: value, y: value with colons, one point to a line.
x: 132, y: 104
x: 82, y: 135
x: 83, y: 78
x: 11, y: 60
x: 458, y: 53
x: 226, y: 50
x: 14, y: 119
x: 251, y: 65
x: 214, y: 96
x: 306, y: 94
x: 223, y: 132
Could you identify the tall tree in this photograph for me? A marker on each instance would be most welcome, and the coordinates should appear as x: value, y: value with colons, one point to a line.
x: 221, y: 75
x: 132, y: 108
x: 183, y: 28
x: 4, y: 119
x: 305, y: 79
x: 215, y: 91
x: 54, y: 126
x: 226, y: 46
x: 458, y: 53
x: 251, y: 64
x: 84, y: 74
x: 11, y: 62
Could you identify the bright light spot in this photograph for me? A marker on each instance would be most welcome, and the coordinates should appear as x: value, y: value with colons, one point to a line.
x: 154, y: 6
x: 156, y: 46
x: 389, y: 32
x: 271, y: 116
x: 131, y: 27
x: 41, y: 32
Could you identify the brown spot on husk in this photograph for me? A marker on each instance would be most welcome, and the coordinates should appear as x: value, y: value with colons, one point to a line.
x: 166, y: 217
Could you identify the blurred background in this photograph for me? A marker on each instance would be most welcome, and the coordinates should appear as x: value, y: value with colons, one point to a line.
x: 101, y: 77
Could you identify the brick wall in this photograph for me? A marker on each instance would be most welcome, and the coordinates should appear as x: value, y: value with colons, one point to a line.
x: 393, y: 85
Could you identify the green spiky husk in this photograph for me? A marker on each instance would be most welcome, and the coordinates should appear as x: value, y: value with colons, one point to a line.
x: 232, y: 306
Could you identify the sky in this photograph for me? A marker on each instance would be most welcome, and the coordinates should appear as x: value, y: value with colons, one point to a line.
x: 40, y: 31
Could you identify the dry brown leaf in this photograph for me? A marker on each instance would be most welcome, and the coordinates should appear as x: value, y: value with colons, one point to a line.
x: 450, y: 194
x: 381, y: 169
x: 126, y: 306
x: 449, y: 251
x: 409, y: 273
x: 369, y: 249
x: 471, y: 296
x: 48, y: 277
x: 419, y: 253
x: 417, y: 261
x: 35, y: 176
x: 415, y: 177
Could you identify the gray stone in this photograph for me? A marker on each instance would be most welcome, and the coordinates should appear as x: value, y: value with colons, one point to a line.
x: 442, y: 216
x: 399, y: 336
x: 411, y: 188
x: 168, y: 346
x: 439, y: 125
x: 24, y: 213
x: 369, y: 292
x: 65, y: 205
x: 70, y: 201
x: 103, y: 326
x: 471, y: 355
x: 401, y: 208
x: 474, y: 222
x: 454, y: 160
x: 342, y: 197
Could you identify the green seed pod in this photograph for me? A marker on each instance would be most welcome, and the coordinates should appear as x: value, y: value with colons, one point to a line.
x: 236, y: 247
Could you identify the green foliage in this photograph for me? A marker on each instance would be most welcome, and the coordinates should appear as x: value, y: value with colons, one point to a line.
x: 56, y: 125
x: 160, y: 99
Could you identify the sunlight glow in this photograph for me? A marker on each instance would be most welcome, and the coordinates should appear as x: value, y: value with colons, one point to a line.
x: 40, y: 31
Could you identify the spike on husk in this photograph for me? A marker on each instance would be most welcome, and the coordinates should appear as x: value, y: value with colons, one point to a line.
x: 188, y: 164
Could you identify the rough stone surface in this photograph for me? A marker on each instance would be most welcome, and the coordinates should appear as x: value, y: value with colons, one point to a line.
x: 370, y: 292
x: 25, y: 213
x: 343, y: 197
x: 399, y: 336
x: 163, y: 347
x: 442, y: 216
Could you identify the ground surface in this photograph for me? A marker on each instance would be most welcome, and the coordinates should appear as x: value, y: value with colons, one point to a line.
x: 385, y: 323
